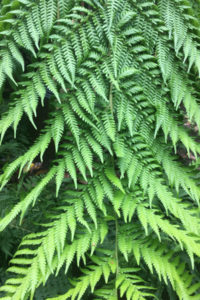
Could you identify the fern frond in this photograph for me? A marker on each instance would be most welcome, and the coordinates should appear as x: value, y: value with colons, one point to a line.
x: 22, y: 206
x: 44, y: 260
x: 129, y: 284
x: 90, y: 279
x: 166, y: 267
x: 109, y: 85
x: 157, y: 223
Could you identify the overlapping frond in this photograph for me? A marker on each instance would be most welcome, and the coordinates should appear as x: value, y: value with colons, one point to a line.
x: 114, y: 82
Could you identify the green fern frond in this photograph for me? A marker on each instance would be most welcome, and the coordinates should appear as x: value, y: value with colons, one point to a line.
x: 102, y: 97
x: 22, y: 206
x: 169, y: 268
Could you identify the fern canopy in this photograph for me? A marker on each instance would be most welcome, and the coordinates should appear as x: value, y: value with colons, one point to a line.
x: 103, y: 95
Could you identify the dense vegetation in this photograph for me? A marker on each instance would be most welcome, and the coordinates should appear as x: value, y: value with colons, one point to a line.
x: 99, y: 149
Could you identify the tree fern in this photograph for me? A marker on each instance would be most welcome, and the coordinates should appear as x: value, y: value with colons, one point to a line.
x: 106, y: 88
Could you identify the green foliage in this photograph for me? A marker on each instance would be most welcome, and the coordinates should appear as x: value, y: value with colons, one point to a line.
x: 98, y: 93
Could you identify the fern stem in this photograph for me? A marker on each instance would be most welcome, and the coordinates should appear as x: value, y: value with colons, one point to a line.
x: 116, y: 250
x: 111, y: 98
x: 58, y: 11
x: 20, y: 228
x: 1, y: 95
